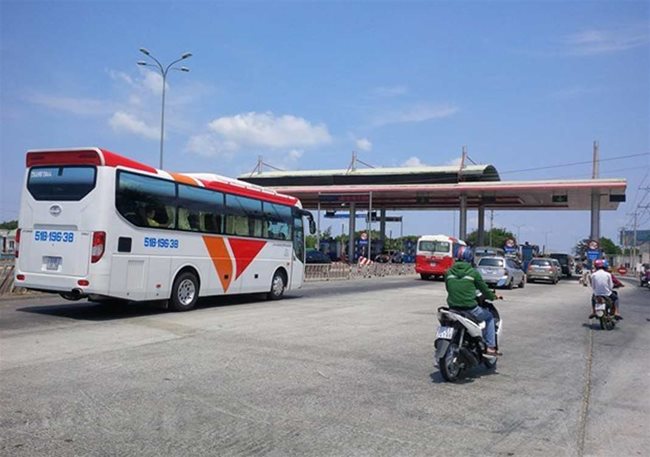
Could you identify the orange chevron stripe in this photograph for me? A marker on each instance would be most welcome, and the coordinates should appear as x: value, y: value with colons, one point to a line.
x: 183, y: 179
x: 220, y: 258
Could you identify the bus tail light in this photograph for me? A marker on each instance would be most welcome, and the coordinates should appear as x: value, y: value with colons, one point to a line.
x: 99, y: 242
x: 17, y: 242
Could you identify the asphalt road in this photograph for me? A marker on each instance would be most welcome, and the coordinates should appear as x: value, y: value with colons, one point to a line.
x: 336, y: 369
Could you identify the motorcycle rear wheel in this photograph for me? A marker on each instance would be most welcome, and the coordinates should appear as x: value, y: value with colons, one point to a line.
x: 449, y: 364
x: 490, y: 364
x: 607, y: 323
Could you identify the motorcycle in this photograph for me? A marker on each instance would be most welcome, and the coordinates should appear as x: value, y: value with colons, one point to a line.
x: 459, y: 340
x: 605, y: 312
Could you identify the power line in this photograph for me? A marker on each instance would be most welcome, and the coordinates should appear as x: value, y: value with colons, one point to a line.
x: 574, y: 163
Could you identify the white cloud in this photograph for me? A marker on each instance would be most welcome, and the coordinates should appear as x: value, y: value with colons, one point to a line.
x: 570, y: 93
x: 390, y: 91
x: 121, y: 76
x: 363, y: 144
x: 417, y: 113
x: 454, y: 162
x: 601, y: 41
x: 413, y: 162
x: 79, y: 106
x: 266, y: 130
x: 290, y: 160
x: 125, y: 122
x: 209, y: 145
x: 153, y: 82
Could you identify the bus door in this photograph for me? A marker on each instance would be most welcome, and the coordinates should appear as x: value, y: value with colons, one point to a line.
x: 298, y: 257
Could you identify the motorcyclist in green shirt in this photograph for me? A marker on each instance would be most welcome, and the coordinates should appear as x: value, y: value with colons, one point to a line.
x: 462, y: 281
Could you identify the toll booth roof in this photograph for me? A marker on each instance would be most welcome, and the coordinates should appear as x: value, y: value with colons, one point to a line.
x: 360, y: 176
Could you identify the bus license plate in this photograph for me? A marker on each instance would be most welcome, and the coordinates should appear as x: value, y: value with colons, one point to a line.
x: 52, y: 263
x: 445, y: 333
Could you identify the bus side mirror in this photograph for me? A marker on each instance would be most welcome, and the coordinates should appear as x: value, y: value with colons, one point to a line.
x: 312, y: 226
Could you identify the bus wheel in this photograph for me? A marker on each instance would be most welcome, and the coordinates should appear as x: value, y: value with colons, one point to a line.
x: 185, y: 292
x: 277, y: 286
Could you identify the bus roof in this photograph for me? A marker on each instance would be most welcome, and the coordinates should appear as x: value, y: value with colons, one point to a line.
x: 440, y: 238
x: 103, y: 157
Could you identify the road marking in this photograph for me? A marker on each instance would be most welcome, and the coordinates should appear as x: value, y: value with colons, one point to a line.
x: 586, y: 395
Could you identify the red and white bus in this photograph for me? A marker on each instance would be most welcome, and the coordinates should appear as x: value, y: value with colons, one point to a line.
x: 95, y: 224
x: 435, y: 254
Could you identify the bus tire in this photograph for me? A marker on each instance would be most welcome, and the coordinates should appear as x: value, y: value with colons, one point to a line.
x: 278, y: 284
x: 185, y: 292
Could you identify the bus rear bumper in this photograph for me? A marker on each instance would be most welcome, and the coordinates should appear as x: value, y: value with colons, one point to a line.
x: 75, y: 287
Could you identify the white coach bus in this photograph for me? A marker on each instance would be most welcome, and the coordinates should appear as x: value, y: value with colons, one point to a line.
x: 98, y: 225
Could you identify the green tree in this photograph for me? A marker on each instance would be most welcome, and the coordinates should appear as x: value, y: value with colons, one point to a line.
x: 606, y: 245
x: 9, y: 225
x: 497, y: 235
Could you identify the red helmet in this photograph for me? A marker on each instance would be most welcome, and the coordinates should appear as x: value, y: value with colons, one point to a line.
x: 599, y: 263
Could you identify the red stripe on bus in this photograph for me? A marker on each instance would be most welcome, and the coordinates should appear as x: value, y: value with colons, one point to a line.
x: 252, y: 193
x: 245, y: 251
x: 114, y: 160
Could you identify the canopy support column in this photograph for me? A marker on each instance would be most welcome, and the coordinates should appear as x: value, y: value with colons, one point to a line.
x: 353, y: 216
x: 462, y: 223
x: 481, y: 225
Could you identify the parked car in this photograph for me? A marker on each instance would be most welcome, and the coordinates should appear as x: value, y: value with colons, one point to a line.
x: 315, y: 256
x: 495, y: 269
x: 543, y: 268
x: 566, y: 262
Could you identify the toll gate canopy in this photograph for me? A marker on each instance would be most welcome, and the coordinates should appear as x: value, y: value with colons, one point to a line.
x: 412, y: 188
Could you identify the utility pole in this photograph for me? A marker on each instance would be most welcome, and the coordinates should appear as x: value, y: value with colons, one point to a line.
x: 635, y: 226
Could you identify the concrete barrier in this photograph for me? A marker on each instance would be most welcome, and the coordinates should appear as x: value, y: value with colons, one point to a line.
x: 342, y: 271
x: 7, y: 268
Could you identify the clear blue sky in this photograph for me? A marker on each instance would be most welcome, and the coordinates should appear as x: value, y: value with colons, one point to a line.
x: 521, y: 84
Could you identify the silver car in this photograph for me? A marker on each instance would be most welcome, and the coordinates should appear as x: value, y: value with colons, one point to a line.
x: 545, y: 269
x: 494, y: 269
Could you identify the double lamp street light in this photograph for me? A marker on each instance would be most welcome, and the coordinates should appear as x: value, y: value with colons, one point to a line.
x: 163, y: 72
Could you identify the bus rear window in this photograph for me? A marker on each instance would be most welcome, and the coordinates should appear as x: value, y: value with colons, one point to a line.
x: 69, y: 183
x: 435, y: 246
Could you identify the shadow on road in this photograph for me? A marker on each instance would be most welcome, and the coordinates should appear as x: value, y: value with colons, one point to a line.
x: 116, y: 309
x: 466, y: 377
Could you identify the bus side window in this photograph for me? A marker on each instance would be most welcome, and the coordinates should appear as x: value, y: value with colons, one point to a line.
x: 193, y: 220
x: 183, y: 219
x: 170, y: 212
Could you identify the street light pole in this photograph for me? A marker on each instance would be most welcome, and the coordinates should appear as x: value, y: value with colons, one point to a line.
x: 546, y: 240
x: 163, y: 72
x: 519, y: 226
